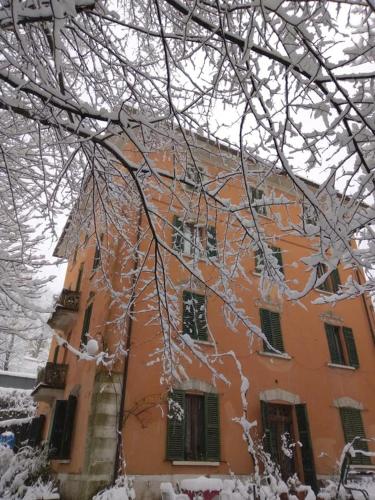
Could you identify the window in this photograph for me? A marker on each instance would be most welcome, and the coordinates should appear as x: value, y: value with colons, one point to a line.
x: 352, y: 425
x: 256, y: 197
x: 194, y: 175
x: 309, y: 215
x: 62, y: 428
x: 341, y: 345
x: 97, y: 258
x: 193, y: 239
x: 259, y: 260
x: 194, y: 433
x: 270, y: 324
x: 332, y: 282
x: 194, y: 321
x: 86, y: 324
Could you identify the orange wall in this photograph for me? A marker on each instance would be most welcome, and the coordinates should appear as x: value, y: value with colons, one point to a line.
x: 305, y: 374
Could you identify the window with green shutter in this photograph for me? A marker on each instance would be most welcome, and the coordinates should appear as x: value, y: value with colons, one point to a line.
x: 62, y: 428
x: 194, y: 320
x: 332, y: 282
x: 271, y: 327
x: 256, y: 198
x: 211, y: 242
x: 192, y: 239
x: 351, y: 420
x: 194, y: 432
x: 259, y: 259
x: 341, y: 345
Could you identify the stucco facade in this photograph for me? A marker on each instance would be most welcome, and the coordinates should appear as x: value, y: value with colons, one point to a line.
x: 301, y: 379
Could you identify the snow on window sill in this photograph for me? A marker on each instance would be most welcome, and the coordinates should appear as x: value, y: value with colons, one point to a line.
x: 193, y: 462
x: 275, y: 355
x: 204, y: 342
x: 345, y: 367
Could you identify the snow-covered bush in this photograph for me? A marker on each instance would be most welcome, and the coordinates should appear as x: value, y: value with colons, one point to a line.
x: 25, y: 475
x: 15, y: 403
x: 121, y: 490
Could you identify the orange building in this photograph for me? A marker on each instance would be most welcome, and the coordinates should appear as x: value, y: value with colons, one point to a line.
x: 311, y: 378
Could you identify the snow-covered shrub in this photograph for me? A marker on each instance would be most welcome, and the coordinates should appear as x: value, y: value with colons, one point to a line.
x: 6, y: 455
x: 15, y: 403
x: 26, y: 475
x: 121, y: 490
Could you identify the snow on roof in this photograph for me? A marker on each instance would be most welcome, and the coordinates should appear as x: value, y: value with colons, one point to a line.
x: 18, y: 374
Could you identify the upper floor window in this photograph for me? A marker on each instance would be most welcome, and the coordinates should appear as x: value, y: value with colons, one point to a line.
x: 352, y: 425
x: 257, y: 197
x: 341, y: 345
x: 194, y: 320
x: 309, y: 214
x: 194, y: 239
x: 332, y: 282
x: 194, y: 433
x: 259, y: 259
x: 194, y: 175
x: 86, y: 324
x: 271, y: 327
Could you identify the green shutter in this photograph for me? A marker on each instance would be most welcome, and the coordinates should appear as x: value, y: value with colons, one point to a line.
x: 352, y: 425
x: 194, y: 315
x: 276, y: 251
x: 200, y: 314
x: 350, y: 347
x: 277, y: 338
x: 306, y: 450
x: 177, y: 237
x: 176, y: 429
x: 66, y: 440
x: 333, y: 344
x: 188, y: 323
x: 270, y: 323
x: 35, y: 430
x: 335, y: 280
x: 265, y: 322
x: 211, y: 242
x: 57, y: 428
x: 212, y: 427
x: 86, y: 324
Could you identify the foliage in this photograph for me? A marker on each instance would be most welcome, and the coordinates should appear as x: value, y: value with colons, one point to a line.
x: 26, y: 475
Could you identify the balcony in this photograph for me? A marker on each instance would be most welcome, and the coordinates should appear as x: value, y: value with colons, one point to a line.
x: 50, y: 382
x: 66, y: 310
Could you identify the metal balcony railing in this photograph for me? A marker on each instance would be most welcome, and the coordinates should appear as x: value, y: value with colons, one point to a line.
x: 69, y: 299
x: 53, y: 375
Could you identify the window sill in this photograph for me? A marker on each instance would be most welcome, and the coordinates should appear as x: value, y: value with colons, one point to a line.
x: 195, y: 463
x: 204, y: 342
x: 344, y: 367
x: 285, y: 356
x: 61, y: 461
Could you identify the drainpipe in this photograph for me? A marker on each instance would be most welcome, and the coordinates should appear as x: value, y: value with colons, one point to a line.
x: 129, y: 330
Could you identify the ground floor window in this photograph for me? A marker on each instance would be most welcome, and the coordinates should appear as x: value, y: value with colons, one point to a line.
x: 61, y: 431
x: 290, y: 421
x: 352, y: 425
x: 193, y: 427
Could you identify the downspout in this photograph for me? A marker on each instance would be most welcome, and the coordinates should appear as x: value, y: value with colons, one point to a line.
x: 129, y: 329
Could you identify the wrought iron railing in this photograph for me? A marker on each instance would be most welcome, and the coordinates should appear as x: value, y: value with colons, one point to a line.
x: 53, y: 375
x: 69, y: 299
